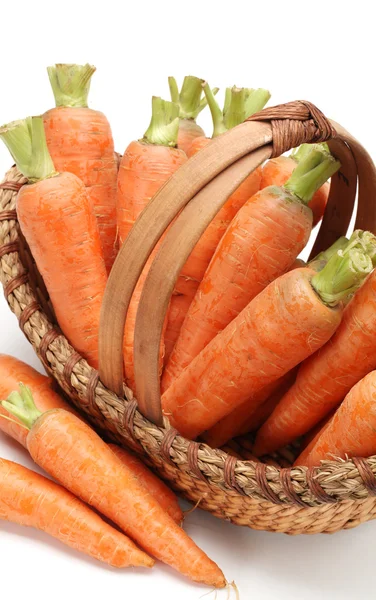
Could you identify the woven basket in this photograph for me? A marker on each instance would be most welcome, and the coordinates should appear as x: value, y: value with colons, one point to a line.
x: 273, y: 496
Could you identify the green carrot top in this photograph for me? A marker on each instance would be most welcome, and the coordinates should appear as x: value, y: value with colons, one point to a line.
x: 239, y: 104
x: 21, y: 405
x: 26, y: 141
x: 71, y: 84
x: 164, y: 125
x: 189, y: 99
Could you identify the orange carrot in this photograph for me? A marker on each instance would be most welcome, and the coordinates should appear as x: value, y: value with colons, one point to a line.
x: 56, y: 219
x: 145, y: 167
x: 75, y: 455
x: 283, y: 325
x: 311, y: 438
x: 153, y: 484
x: 80, y: 141
x: 240, y: 103
x: 277, y: 171
x: 33, y: 501
x: 352, y: 429
x: 12, y: 371
x: 190, y: 105
x: 325, y: 378
x: 240, y: 420
x: 261, y: 243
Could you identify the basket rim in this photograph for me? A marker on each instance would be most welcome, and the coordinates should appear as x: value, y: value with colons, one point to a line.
x: 334, y: 481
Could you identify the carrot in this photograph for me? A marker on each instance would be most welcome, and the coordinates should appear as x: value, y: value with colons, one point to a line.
x: 310, y: 438
x: 237, y: 422
x: 75, y: 455
x: 56, y: 219
x: 277, y: 171
x: 146, y: 165
x: 12, y: 371
x: 261, y: 243
x: 240, y: 103
x: 80, y: 141
x: 153, y: 484
x: 352, y: 429
x: 289, y: 320
x: 324, y: 379
x: 33, y: 501
x: 190, y: 105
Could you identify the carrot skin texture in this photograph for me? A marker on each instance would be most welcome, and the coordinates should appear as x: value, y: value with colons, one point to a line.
x: 351, y: 431
x: 31, y: 500
x: 80, y: 142
x: 76, y: 456
x: 283, y: 325
x: 56, y: 218
x: 326, y: 377
x: 12, y: 371
x: 188, y: 131
x: 153, y: 484
x: 260, y: 244
x: 309, y: 444
x: 277, y: 171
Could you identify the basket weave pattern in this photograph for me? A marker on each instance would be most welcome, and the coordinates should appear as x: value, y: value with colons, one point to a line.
x: 338, y: 495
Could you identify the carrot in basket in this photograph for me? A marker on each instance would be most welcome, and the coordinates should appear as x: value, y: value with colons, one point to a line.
x: 289, y: 320
x: 352, y: 429
x: 240, y: 103
x: 12, y: 371
x: 76, y: 456
x: 33, y: 501
x: 278, y: 170
x: 80, y: 141
x: 57, y: 221
x: 146, y: 165
x: 190, y: 105
x: 312, y: 436
x: 325, y: 378
x: 261, y: 243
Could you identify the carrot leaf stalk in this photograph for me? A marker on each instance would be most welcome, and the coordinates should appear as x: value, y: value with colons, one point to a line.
x: 189, y: 99
x: 301, y: 151
x: 312, y: 172
x: 345, y: 271
x: 21, y: 405
x: 164, y: 124
x: 71, y: 84
x: 26, y: 141
x: 239, y: 104
x: 320, y: 260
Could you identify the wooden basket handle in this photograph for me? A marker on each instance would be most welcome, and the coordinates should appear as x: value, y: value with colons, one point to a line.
x: 199, y: 189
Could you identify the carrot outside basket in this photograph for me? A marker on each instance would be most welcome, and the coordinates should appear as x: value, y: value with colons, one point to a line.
x: 273, y: 497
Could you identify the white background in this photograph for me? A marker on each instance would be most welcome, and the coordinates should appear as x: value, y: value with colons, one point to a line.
x: 323, y: 52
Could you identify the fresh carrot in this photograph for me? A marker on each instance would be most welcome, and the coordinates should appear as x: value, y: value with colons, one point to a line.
x: 288, y: 321
x: 153, y: 484
x: 57, y: 221
x: 277, y: 171
x: 80, y: 142
x: 237, y: 422
x: 240, y: 103
x: 146, y: 165
x: 324, y: 379
x: 261, y: 243
x: 190, y: 105
x: 12, y: 371
x: 33, y: 501
x: 310, y: 438
x: 75, y: 455
x: 352, y: 429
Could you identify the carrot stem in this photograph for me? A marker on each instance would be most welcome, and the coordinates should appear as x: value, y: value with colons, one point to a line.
x: 26, y: 141
x: 189, y: 98
x: 164, y: 124
x: 233, y: 110
x: 312, y: 172
x: 345, y: 271
x: 302, y: 151
x: 256, y: 101
x: 325, y: 255
x: 71, y: 84
x: 21, y: 405
x: 216, y: 113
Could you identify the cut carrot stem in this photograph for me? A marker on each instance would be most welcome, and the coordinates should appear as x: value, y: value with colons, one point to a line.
x: 311, y: 172
x: 77, y: 457
x: 318, y: 262
x: 164, y: 124
x: 216, y: 113
x: 71, y: 84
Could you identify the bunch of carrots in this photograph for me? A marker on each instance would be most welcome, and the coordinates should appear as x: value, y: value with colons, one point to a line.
x: 255, y: 341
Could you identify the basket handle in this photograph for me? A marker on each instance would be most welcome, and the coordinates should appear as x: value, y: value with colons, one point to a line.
x: 303, y: 123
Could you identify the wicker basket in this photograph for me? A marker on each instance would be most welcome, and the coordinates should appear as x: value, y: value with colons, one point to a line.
x: 274, y: 496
